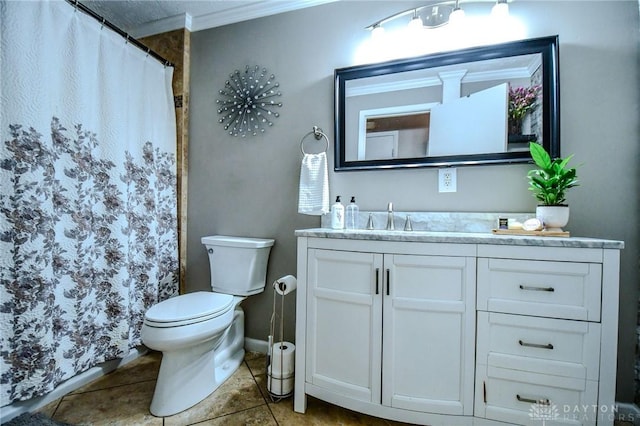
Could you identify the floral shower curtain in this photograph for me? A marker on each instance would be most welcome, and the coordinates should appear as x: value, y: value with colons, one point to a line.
x: 88, y: 237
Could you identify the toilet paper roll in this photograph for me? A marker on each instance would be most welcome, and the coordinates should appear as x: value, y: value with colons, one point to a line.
x: 282, y: 359
x: 285, y: 285
x: 280, y: 372
x: 280, y: 387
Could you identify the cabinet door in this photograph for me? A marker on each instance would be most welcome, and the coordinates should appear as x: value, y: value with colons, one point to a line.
x: 344, y: 323
x: 429, y: 333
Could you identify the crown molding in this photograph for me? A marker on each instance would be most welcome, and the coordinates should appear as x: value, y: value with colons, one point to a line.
x: 257, y: 10
x: 376, y: 88
x: 163, y: 25
x: 242, y: 12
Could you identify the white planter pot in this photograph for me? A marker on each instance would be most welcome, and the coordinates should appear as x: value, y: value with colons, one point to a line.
x: 553, y: 218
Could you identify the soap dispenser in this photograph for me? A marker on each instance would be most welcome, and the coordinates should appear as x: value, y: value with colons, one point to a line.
x: 352, y: 214
x: 337, y: 214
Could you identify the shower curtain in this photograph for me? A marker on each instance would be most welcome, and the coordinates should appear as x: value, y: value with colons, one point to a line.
x: 88, y: 237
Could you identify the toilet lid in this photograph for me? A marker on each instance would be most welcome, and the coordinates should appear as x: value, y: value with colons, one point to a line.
x: 189, y: 307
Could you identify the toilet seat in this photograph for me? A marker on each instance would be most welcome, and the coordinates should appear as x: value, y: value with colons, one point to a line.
x: 188, y: 309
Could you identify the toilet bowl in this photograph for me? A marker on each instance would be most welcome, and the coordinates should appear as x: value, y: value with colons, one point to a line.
x: 201, y: 334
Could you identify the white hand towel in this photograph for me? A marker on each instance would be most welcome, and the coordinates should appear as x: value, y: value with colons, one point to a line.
x: 314, y: 185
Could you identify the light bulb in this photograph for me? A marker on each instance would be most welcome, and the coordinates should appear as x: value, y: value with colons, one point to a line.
x: 500, y: 10
x: 456, y: 17
x: 377, y: 32
x: 415, y: 24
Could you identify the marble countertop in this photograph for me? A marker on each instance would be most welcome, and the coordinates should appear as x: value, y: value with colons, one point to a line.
x: 460, y: 238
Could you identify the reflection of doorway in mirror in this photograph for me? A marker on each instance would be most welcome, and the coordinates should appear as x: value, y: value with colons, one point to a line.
x: 381, y: 145
x: 411, y: 129
x: 394, y: 132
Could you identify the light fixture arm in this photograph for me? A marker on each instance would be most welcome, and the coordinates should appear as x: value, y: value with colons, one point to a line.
x: 391, y: 18
x: 454, y: 4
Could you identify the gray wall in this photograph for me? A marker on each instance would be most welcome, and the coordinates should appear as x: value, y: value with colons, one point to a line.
x: 249, y: 186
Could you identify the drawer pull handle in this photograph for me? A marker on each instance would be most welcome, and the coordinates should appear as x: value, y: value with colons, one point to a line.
x: 536, y: 345
x: 533, y: 401
x: 534, y: 288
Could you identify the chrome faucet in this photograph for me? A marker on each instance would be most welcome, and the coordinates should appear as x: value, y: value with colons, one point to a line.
x: 390, y: 226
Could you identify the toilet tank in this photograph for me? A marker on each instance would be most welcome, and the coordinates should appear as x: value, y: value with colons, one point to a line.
x: 238, y: 265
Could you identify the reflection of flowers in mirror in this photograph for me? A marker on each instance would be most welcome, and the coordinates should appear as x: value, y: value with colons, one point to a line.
x: 522, y: 100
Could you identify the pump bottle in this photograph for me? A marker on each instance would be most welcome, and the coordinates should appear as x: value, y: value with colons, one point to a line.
x: 337, y: 214
x: 352, y: 213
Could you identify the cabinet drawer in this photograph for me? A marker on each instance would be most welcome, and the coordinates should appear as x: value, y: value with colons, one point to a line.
x: 528, y: 398
x: 567, y: 290
x: 543, y: 345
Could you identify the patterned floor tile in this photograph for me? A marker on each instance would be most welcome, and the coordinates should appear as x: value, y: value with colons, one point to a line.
x: 141, y: 369
x: 258, y: 416
x: 320, y: 413
x: 50, y: 408
x: 124, y: 405
x: 240, y: 392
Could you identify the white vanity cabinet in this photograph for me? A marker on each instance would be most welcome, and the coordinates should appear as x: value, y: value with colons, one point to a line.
x: 390, y: 329
x: 456, y: 331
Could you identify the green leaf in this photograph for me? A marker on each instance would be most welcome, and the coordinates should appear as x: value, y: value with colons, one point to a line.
x: 539, y: 155
x: 566, y: 161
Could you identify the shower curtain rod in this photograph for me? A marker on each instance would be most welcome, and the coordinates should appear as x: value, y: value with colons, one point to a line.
x: 124, y: 34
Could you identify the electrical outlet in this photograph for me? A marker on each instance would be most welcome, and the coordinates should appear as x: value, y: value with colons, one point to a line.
x: 447, y: 180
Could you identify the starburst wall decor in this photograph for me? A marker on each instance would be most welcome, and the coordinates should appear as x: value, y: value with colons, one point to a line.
x: 248, y: 104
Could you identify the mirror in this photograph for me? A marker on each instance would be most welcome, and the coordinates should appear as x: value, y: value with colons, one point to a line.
x: 449, y: 109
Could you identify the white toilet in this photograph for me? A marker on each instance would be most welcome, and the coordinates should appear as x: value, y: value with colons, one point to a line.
x: 201, y: 334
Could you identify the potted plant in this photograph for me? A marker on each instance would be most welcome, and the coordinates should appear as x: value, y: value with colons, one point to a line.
x: 549, y: 184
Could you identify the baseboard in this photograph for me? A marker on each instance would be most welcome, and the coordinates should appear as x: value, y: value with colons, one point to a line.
x: 628, y: 412
x: 10, y: 411
x: 255, y: 345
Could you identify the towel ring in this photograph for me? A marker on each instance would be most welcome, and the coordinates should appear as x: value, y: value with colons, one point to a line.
x: 318, y: 134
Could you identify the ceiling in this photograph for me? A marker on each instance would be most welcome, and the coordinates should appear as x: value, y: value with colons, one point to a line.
x: 141, y: 18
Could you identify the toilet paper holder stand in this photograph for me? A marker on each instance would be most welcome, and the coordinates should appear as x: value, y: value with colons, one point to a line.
x: 279, y: 386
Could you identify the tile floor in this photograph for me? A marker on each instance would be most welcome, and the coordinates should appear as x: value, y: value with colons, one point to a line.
x: 123, y: 398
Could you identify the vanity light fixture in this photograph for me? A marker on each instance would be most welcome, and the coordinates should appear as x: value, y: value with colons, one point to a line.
x: 436, y: 15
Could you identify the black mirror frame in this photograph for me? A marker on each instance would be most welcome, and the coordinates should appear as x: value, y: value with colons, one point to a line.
x: 547, y: 46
